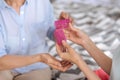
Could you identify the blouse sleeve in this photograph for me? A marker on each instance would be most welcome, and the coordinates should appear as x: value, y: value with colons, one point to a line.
x: 51, y: 21
x: 2, y: 44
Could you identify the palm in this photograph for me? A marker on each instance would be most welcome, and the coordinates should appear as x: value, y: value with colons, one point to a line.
x: 74, y: 37
x: 54, y: 63
x: 66, y: 56
x: 69, y: 55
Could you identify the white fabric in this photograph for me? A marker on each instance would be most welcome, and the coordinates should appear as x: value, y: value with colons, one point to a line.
x: 115, y: 72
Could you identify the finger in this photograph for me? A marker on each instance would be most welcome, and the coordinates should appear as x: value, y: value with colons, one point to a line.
x: 61, y: 68
x: 66, y: 33
x: 65, y: 63
x: 58, y: 49
x: 67, y: 67
x: 72, y: 28
x: 56, y: 67
x: 66, y: 45
x: 71, y: 20
x: 55, y: 62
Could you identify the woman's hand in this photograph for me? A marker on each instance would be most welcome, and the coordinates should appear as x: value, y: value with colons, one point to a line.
x: 54, y: 63
x: 69, y: 54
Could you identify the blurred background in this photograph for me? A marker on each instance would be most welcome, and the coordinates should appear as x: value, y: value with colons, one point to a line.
x: 100, y: 19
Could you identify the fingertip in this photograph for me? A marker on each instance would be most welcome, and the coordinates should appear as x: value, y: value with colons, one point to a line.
x: 63, y: 42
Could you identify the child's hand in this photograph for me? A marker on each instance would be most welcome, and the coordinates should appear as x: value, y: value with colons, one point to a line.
x: 73, y: 33
x: 76, y: 35
x: 69, y: 54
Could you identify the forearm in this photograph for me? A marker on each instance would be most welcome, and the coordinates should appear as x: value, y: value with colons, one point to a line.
x: 103, y: 61
x: 11, y: 61
x: 87, y: 71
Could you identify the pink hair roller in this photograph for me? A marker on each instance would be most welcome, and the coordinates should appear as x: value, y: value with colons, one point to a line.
x: 61, y: 24
x: 59, y: 36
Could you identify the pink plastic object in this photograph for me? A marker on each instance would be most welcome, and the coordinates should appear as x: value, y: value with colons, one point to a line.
x: 61, y: 24
x: 59, y: 36
x: 103, y: 75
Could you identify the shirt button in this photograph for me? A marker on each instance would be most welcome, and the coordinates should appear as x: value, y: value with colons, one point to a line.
x: 23, y: 39
x: 22, y: 12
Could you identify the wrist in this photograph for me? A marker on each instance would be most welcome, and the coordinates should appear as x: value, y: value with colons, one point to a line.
x: 78, y: 61
x: 87, y: 43
x: 39, y: 57
x: 35, y: 58
x: 42, y: 58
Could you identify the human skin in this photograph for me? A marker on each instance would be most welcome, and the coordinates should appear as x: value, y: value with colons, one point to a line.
x: 83, y: 40
x: 11, y: 61
x: 71, y: 55
x: 79, y: 37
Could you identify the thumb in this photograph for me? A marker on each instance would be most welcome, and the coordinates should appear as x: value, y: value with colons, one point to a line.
x: 66, y: 45
x: 58, y: 49
x: 72, y: 28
